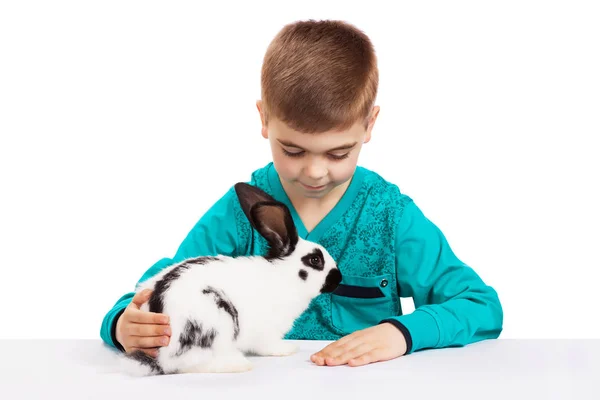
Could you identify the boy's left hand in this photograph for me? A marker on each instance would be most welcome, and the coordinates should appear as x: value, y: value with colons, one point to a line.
x: 378, y: 343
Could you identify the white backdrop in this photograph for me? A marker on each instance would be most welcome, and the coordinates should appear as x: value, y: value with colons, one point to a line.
x: 121, y: 123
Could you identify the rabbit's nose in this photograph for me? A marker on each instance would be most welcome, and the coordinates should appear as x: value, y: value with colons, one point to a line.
x: 333, y: 279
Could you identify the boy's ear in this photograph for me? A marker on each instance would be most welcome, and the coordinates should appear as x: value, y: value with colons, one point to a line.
x: 263, y: 120
x: 371, y: 123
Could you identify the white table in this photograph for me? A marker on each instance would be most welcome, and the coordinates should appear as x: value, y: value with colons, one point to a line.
x: 495, y: 369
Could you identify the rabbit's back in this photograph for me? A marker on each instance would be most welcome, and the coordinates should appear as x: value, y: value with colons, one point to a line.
x: 213, y: 298
x: 233, y: 301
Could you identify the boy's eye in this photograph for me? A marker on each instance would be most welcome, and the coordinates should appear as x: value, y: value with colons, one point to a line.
x: 338, y: 156
x: 292, y: 154
x: 301, y: 153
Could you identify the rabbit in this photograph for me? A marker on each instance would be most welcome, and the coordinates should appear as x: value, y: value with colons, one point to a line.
x: 222, y: 307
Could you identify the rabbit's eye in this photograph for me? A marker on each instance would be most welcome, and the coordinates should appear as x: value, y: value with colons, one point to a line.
x: 314, y: 260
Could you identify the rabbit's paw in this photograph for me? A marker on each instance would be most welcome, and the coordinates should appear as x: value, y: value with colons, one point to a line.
x: 277, y: 348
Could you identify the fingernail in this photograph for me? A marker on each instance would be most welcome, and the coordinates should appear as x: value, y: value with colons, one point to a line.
x: 168, y: 331
x: 163, y: 341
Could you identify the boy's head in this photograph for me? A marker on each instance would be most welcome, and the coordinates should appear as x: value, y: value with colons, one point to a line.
x: 319, y: 83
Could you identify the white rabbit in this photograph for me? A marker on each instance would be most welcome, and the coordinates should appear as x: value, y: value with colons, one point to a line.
x: 221, y: 308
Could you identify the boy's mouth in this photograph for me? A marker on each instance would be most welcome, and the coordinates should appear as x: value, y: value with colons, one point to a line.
x: 313, y: 187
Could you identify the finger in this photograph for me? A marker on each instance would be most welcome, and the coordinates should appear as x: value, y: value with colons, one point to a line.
x: 370, y: 357
x: 145, y: 342
x: 354, y: 352
x: 152, y: 352
x: 137, y: 329
x: 144, y: 317
x: 141, y: 297
x: 339, y: 347
x: 333, y: 349
x: 317, y: 359
x: 344, y: 341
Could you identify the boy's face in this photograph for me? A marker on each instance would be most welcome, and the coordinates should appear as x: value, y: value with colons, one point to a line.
x: 313, y: 165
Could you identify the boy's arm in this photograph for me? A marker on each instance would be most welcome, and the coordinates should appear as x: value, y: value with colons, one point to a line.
x: 215, y: 233
x: 453, y: 306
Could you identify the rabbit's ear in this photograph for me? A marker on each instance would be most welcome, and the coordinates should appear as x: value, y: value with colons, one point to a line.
x: 250, y: 195
x: 271, y: 218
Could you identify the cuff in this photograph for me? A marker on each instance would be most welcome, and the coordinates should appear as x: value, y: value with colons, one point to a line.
x: 405, y: 332
x: 113, y: 330
x: 108, y: 330
x: 420, y: 329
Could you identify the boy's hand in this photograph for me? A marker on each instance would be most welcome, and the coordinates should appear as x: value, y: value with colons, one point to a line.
x: 141, y: 330
x: 378, y: 343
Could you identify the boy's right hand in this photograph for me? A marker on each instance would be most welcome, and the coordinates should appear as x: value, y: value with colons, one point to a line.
x: 141, y: 330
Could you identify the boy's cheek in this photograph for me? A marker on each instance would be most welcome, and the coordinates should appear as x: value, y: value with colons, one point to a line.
x: 285, y: 168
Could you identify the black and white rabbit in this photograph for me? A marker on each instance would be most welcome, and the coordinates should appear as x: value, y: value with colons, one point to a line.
x: 222, y: 308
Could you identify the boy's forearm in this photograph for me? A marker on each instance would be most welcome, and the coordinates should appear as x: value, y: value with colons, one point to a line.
x: 453, y: 305
x: 474, y: 316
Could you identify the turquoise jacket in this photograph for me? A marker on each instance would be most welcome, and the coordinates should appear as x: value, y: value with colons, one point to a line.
x: 385, y: 249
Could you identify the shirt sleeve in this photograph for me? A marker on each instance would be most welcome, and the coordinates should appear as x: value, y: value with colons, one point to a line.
x: 453, y: 306
x: 214, y: 234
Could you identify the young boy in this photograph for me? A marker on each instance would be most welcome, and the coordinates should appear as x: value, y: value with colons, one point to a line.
x: 319, y: 84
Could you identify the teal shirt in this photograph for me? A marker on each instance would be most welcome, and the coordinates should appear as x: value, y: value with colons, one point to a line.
x: 385, y: 248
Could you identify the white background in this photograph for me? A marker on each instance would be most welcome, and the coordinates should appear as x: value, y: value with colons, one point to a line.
x: 122, y: 122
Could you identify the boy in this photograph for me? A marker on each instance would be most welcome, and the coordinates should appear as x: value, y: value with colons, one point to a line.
x: 319, y: 83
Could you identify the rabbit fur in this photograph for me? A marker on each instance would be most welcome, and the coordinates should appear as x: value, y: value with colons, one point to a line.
x: 222, y: 308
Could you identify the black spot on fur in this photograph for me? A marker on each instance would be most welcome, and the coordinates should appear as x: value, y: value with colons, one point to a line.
x: 155, y: 302
x: 145, y: 359
x: 156, y: 298
x: 194, y: 335
x: 223, y: 302
x: 303, y: 274
x: 314, y: 260
x: 201, y: 260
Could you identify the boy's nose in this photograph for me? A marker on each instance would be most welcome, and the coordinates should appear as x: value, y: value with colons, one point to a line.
x: 316, y: 172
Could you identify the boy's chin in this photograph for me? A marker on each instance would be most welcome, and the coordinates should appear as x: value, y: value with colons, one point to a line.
x: 312, y: 195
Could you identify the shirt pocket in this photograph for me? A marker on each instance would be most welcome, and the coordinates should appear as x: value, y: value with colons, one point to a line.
x: 360, y: 302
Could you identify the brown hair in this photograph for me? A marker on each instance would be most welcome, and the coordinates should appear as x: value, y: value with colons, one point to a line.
x: 319, y: 75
